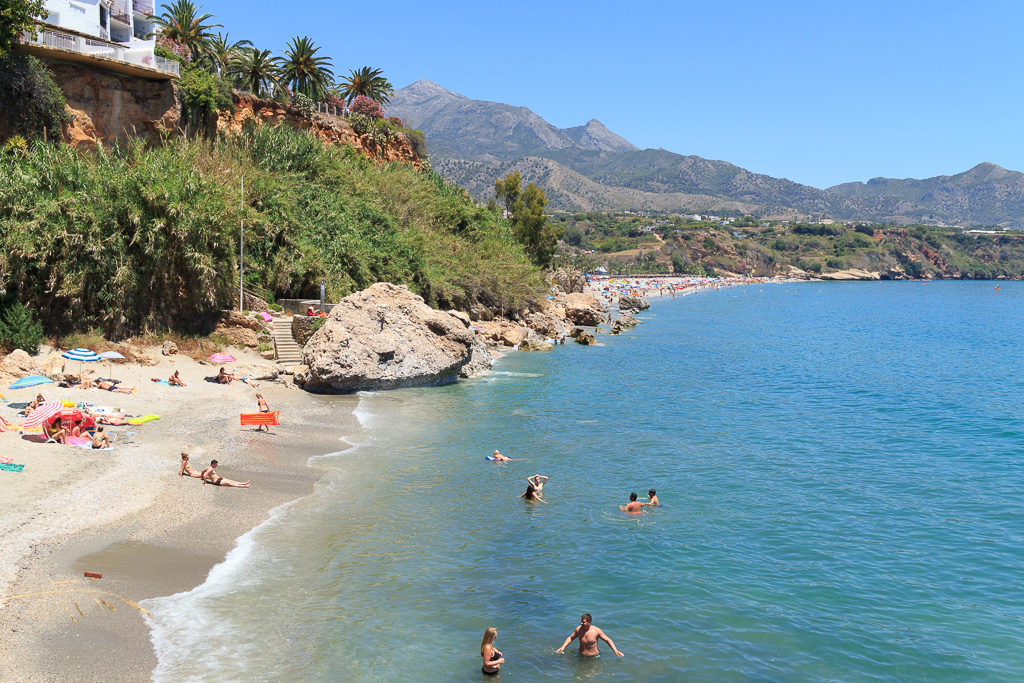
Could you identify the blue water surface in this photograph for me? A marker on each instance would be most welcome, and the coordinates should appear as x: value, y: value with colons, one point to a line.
x: 841, y: 472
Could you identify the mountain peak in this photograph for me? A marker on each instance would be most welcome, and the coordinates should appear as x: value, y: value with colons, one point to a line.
x: 425, y: 89
x: 595, y: 135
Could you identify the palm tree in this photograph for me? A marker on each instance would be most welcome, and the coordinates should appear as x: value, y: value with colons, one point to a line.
x: 255, y: 70
x: 368, y: 82
x: 182, y: 23
x: 303, y: 71
x: 219, y: 52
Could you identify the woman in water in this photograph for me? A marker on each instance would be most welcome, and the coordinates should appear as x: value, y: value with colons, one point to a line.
x: 538, y: 482
x: 531, y: 495
x: 492, y: 658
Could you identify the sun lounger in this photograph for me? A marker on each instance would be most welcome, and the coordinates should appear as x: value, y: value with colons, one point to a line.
x: 267, y: 419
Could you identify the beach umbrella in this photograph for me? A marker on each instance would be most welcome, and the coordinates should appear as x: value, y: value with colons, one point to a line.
x: 42, y: 413
x: 110, y: 356
x: 83, y: 356
x: 30, y: 381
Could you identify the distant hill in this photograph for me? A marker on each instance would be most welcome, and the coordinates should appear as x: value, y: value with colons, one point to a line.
x: 589, y: 167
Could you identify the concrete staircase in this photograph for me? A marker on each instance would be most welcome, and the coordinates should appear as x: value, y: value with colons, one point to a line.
x: 286, y: 349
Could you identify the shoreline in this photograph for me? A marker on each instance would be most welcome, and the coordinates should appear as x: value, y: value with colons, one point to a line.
x: 124, y: 514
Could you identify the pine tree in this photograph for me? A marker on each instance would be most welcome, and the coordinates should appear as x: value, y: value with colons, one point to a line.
x: 19, y: 328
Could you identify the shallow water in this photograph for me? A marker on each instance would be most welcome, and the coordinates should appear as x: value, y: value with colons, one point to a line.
x: 840, y: 467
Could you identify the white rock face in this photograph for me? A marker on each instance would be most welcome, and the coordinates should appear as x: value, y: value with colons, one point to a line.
x: 385, y: 337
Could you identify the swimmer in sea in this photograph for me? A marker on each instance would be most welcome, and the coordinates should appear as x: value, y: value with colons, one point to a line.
x: 499, y: 457
x: 538, y: 482
x: 531, y: 495
x: 633, y: 505
x: 492, y: 658
x: 653, y: 495
x: 588, y: 635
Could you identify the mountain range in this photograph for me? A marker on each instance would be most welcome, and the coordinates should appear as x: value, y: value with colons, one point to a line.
x: 585, y: 168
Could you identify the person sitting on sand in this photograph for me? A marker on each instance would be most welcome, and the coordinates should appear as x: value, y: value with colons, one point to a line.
x: 175, y: 380
x: 224, y: 377
x: 633, y: 505
x: 210, y: 476
x: 492, y: 658
x: 653, y: 496
x: 99, y: 439
x: 76, y: 428
x: 39, y: 400
x: 112, y: 386
x: 499, y: 457
x: 531, y: 495
x: 186, y: 468
x: 57, y: 432
x: 538, y: 483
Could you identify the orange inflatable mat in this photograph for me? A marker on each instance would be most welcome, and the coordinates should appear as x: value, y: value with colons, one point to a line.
x: 260, y: 418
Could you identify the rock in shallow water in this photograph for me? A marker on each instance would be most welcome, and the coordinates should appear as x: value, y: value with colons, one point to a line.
x: 385, y: 337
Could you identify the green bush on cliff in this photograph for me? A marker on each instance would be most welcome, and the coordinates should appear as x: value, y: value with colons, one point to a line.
x: 19, y: 328
x: 139, y: 239
x: 30, y: 100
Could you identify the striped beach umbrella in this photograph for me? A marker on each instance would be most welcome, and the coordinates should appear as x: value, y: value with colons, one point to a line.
x: 42, y: 413
x: 83, y: 356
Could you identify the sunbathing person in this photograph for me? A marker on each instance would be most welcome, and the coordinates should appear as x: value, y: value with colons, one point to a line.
x: 113, y: 386
x: 186, y: 468
x: 112, y: 420
x: 210, y: 476
x: 57, y: 432
x: 175, y: 380
x: 99, y: 439
x: 39, y: 400
x: 227, y: 378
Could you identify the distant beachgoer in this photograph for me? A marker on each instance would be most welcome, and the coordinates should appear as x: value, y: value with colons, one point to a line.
x: 588, y: 635
x: 57, y: 432
x: 264, y: 408
x: 99, y: 439
x: 174, y: 380
x: 531, y: 495
x: 492, y: 658
x: 653, y: 495
x: 113, y: 386
x: 76, y: 428
x: 186, y: 468
x: 224, y: 377
x: 311, y: 312
x: 633, y: 505
x: 499, y: 457
x: 210, y: 476
x: 538, y: 482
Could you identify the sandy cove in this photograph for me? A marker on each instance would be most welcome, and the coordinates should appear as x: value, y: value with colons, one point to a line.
x: 125, y: 513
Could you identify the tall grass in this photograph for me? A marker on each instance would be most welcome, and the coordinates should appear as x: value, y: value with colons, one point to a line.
x: 135, y: 239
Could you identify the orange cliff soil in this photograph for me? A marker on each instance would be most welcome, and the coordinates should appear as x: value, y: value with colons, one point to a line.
x: 331, y: 129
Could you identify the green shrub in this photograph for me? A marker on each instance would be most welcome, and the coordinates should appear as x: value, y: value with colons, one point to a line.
x: 29, y: 98
x: 201, y: 95
x: 304, y: 104
x: 317, y: 324
x: 19, y: 328
x: 276, y: 308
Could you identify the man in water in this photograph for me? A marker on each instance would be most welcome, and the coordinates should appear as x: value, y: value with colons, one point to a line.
x: 588, y: 635
x: 633, y: 505
x: 653, y: 495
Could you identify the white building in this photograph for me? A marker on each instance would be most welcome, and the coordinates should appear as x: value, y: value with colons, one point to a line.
x: 108, y: 33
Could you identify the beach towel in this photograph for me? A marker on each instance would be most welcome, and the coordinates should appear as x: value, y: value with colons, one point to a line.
x: 88, y: 446
x: 9, y: 467
x: 270, y: 418
x: 221, y: 357
x: 6, y: 459
x: 78, y: 441
x: 142, y: 419
x: 6, y: 426
x: 267, y: 317
x: 164, y: 382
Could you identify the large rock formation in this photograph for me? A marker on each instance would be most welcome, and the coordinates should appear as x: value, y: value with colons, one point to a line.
x: 632, y: 303
x: 108, y: 107
x: 385, y: 337
x: 583, y: 309
x: 18, y: 364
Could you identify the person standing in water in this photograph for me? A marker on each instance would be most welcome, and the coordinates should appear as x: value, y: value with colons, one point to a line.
x: 633, y: 505
x: 492, y: 658
x: 538, y: 482
x: 588, y: 635
x: 531, y: 495
x: 653, y: 495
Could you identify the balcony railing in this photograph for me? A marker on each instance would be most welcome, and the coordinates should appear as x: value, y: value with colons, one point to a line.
x: 143, y: 6
x: 119, y: 11
x: 143, y: 57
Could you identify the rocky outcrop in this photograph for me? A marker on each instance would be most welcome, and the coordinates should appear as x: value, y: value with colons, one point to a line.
x: 169, y: 348
x: 535, y: 342
x: 585, y: 338
x: 251, y: 302
x: 568, y: 280
x: 481, y: 360
x: 241, y: 330
x: 850, y: 274
x: 333, y: 130
x: 108, y: 107
x: 18, y: 364
x: 582, y: 309
x: 548, y: 323
x: 502, y: 332
x: 385, y: 337
x: 633, y: 303
x: 302, y: 328
x: 623, y: 322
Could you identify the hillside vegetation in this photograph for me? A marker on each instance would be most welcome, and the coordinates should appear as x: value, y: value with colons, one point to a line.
x: 137, y: 239
x: 677, y: 245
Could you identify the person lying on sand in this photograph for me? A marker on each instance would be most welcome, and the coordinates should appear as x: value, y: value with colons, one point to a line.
x: 633, y: 505
x: 99, y: 439
x: 39, y: 400
x: 210, y: 476
x: 499, y: 457
x: 113, y: 386
x: 227, y: 378
x: 186, y: 468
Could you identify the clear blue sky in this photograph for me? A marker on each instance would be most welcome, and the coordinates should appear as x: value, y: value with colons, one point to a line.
x: 819, y: 92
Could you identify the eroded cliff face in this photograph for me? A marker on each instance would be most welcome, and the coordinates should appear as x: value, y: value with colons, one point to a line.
x: 109, y: 107
x: 331, y: 129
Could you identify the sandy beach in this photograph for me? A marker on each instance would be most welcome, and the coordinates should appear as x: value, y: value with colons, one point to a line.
x: 126, y: 514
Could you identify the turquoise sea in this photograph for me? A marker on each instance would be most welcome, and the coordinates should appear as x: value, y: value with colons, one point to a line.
x: 842, y: 472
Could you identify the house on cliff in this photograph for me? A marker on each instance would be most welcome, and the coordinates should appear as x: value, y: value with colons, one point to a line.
x: 109, y: 34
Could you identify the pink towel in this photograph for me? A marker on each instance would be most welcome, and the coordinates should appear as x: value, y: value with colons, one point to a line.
x: 6, y: 459
x: 77, y: 440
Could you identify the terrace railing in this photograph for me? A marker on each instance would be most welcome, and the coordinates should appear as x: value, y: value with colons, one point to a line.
x: 119, y: 11
x: 52, y: 38
x: 143, y: 6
